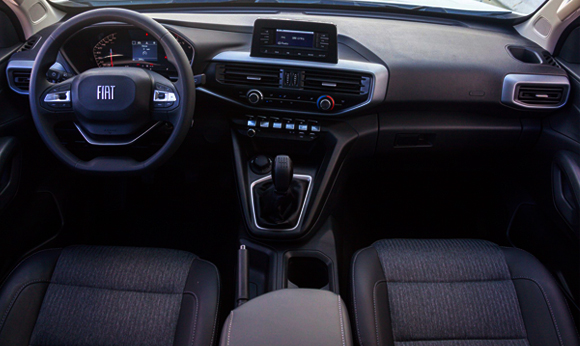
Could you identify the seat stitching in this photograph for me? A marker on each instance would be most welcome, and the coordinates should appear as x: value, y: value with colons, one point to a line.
x: 196, y: 313
x: 217, y: 307
x: 115, y: 289
x: 24, y: 260
x: 354, y: 298
x: 446, y: 282
x: 549, y: 305
x: 462, y: 339
x: 375, y: 311
x: 340, y: 319
x: 230, y: 328
x: 13, y: 300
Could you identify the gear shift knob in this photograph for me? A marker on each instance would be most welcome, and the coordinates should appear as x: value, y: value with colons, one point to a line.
x: 282, y: 173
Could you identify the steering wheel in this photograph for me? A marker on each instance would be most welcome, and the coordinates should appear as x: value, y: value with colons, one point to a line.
x: 114, y: 105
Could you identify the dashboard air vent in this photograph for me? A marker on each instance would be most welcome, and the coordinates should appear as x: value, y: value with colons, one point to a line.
x: 21, y: 79
x: 247, y: 74
x: 28, y: 45
x: 549, y: 59
x: 540, y: 94
x: 336, y: 81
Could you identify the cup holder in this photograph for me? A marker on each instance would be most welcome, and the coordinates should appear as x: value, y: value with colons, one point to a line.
x: 524, y: 55
x: 306, y: 269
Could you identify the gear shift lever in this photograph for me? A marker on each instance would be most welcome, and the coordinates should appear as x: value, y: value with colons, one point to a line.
x: 282, y: 173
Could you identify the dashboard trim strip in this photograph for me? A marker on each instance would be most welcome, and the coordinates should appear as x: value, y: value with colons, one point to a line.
x: 119, y: 143
x: 377, y: 93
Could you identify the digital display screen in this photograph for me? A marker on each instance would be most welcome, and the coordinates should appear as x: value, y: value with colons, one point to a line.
x: 144, y: 50
x: 291, y: 38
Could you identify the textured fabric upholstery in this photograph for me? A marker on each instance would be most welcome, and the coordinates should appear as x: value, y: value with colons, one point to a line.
x: 87, y: 295
x: 412, y: 292
x: 450, y: 290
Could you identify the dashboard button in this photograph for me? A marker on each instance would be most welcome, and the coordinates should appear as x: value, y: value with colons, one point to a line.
x: 315, y: 128
x: 303, y: 127
x: 290, y: 126
x: 252, y: 123
x: 277, y: 125
x: 265, y: 124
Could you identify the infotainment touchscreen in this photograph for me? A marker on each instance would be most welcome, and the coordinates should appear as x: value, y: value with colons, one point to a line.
x: 292, y: 38
x: 286, y: 39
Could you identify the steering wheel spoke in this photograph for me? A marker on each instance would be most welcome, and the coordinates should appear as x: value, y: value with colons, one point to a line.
x: 56, y: 102
x: 165, y: 102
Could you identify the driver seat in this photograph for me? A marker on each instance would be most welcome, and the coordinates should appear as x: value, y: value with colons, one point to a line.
x: 103, y: 295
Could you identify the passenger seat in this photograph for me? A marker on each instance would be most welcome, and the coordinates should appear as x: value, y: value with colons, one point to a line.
x: 412, y: 292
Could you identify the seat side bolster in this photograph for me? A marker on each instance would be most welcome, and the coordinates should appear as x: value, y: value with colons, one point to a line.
x: 21, y: 296
x: 544, y: 308
x: 197, y: 323
x: 369, y: 299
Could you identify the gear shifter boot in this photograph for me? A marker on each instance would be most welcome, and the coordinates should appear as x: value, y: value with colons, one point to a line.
x: 277, y: 210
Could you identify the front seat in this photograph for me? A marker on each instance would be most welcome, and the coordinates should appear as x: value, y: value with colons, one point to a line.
x: 456, y: 293
x: 100, y: 295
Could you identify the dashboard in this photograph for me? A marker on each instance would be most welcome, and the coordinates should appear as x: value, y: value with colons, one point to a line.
x: 294, y: 64
x: 121, y: 45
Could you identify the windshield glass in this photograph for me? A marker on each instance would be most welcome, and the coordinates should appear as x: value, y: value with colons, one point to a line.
x: 495, y: 8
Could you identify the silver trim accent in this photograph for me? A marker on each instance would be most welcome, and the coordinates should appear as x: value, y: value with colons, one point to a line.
x: 377, y: 92
x: 169, y: 96
x: 53, y: 97
x: 511, y: 81
x: 24, y: 65
x: 93, y: 142
x: 304, y: 177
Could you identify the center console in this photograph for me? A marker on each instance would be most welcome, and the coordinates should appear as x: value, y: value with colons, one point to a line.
x: 289, y: 317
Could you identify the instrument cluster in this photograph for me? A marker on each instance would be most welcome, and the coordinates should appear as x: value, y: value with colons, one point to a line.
x: 107, y: 46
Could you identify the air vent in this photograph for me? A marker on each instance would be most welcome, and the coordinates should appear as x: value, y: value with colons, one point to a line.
x: 540, y: 94
x: 336, y: 82
x: 21, y: 79
x: 258, y: 75
x: 28, y: 45
x: 549, y: 59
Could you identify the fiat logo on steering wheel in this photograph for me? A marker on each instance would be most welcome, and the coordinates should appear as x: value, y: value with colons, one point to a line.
x: 105, y: 92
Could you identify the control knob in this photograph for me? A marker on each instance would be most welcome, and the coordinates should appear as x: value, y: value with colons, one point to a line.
x: 325, y: 103
x: 254, y: 96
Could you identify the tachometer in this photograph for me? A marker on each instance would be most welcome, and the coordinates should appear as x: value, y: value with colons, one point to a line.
x: 187, y: 47
x: 105, y: 51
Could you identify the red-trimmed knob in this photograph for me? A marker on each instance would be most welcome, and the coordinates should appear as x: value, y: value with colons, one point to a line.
x: 325, y: 103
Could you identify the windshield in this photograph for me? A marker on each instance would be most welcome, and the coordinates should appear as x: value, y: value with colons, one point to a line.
x: 495, y: 8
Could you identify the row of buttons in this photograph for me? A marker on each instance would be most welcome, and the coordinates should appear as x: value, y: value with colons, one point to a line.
x: 322, y: 40
x: 292, y: 52
x: 303, y: 126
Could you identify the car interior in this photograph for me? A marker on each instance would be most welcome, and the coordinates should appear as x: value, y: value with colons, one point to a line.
x: 290, y: 172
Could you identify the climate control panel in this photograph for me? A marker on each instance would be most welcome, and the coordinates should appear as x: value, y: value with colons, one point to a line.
x: 290, y: 88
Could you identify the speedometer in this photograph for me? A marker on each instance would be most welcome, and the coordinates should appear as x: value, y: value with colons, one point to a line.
x: 105, y: 51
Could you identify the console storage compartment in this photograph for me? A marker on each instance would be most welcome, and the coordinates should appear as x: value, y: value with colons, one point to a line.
x: 289, y: 317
